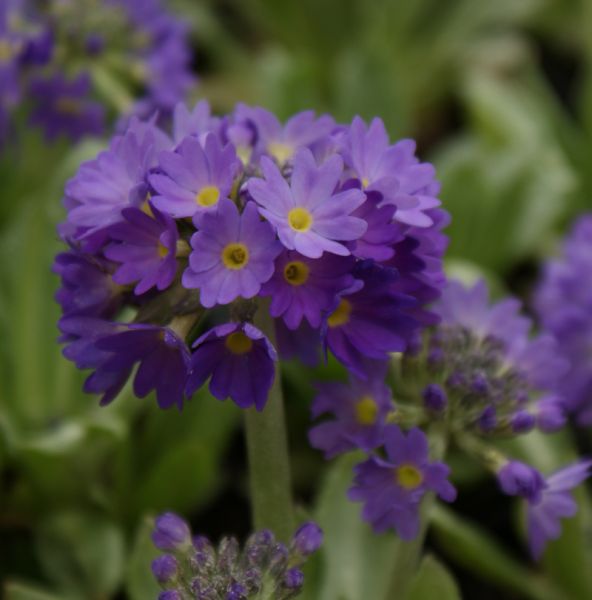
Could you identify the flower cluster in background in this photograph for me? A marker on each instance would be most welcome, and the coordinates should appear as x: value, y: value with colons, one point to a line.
x: 191, y: 567
x: 563, y: 302
x: 476, y: 376
x: 180, y: 243
x: 68, y: 62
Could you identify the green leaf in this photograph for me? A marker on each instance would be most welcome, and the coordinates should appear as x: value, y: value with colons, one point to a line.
x: 433, y: 580
x: 24, y: 591
x: 475, y: 550
x: 82, y: 553
x: 139, y: 582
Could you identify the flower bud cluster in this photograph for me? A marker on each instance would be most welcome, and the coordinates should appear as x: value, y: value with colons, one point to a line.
x: 193, y: 569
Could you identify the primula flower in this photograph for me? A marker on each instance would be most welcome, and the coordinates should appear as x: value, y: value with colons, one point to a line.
x: 360, y: 408
x: 369, y: 320
x: 392, y: 489
x: 304, y: 288
x: 519, y: 479
x: 146, y: 247
x: 240, y: 361
x: 194, y: 178
x: 308, y: 216
x: 232, y: 255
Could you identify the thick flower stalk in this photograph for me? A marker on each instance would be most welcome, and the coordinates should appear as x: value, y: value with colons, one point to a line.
x: 474, y: 377
x: 264, y: 569
x: 563, y: 302
x: 75, y: 63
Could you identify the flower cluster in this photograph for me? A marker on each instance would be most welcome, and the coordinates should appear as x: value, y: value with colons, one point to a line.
x: 181, y: 243
x: 68, y: 59
x: 564, y: 305
x: 475, y: 376
x: 192, y: 568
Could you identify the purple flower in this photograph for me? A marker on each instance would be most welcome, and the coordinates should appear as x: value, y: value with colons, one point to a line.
x: 113, y: 349
x: 369, y: 319
x: 63, y: 107
x: 240, y: 361
x: 308, y: 216
x: 435, y: 397
x: 360, y: 407
x: 87, y: 285
x: 171, y: 532
x: 170, y: 595
x: 392, y: 171
x: 303, y: 288
x: 232, y: 255
x: 282, y: 141
x: 294, y: 578
x: 114, y: 180
x: 307, y: 539
x: 196, y: 122
x: 195, y: 178
x: 519, y: 479
x: 165, y: 567
x: 555, y: 503
x: 303, y: 343
x: 146, y: 247
x: 564, y: 305
x: 392, y: 489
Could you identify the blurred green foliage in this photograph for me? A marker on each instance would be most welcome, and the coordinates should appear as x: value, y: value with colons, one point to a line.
x: 499, y: 96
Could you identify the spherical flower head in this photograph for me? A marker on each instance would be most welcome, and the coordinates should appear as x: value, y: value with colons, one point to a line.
x: 519, y: 479
x: 65, y: 108
x: 87, y: 285
x: 304, y: 288
x: 307, y: 213
x: 171, y: 532
x: 233, y: 255
x: 392, y: 488
x: 555, y: 503
x: 164, y: 568
x: 195, y: 177
x: 360, y: 408
x: 145, y: 245
x: 307, y: 539
x: 392, y: 171
x: 369, y: 320
x: 240, y: 361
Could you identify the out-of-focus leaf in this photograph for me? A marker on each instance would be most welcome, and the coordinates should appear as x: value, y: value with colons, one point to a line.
x: 355, y: 562
x: 140, y: 583
x: 433, y: 580
x: 82, y: 553
x: 474, y: 549
x: 25, y: 591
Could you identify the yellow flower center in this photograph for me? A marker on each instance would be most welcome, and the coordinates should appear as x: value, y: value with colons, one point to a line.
x: 146, y: 208
x: 280, y: 151
x: 296, y: 272
x: 239, y: 343
x: 163, y: 251
x: 366, y: 410
x: 6, y: 51
x: 408, y: 477
x: 340, y: 316
x: 365, y: 182
x: 208, y: 196
x: 299, y: 219
x: 235, y: 256
x: 244, y: 153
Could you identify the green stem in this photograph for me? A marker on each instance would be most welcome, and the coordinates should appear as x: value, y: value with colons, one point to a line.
x: 407, y: 554
x: 267, y: 447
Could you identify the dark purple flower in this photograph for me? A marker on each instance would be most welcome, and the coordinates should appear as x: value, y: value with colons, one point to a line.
x: 165, y: 567
x: 87, y: 286
x: 146, y: 247
x: 392, y: 489
x: 307, y: 539
x: 170, y: 595
x: 171, y: 532
x: 294, y: 578
x: 360, y: 408
x: 434, y: 397
x: 308, y: 216
x: 564, y: 305
x: 240, y: 361
x: 369, y: 319
x: 195, y: 178
x: 303, y: 343
x: 303, y: 288
x: 555, y: 503
x: 232, y: 255
x: 392, y: 171
x: 63, y: 107
x: 519, y: 479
